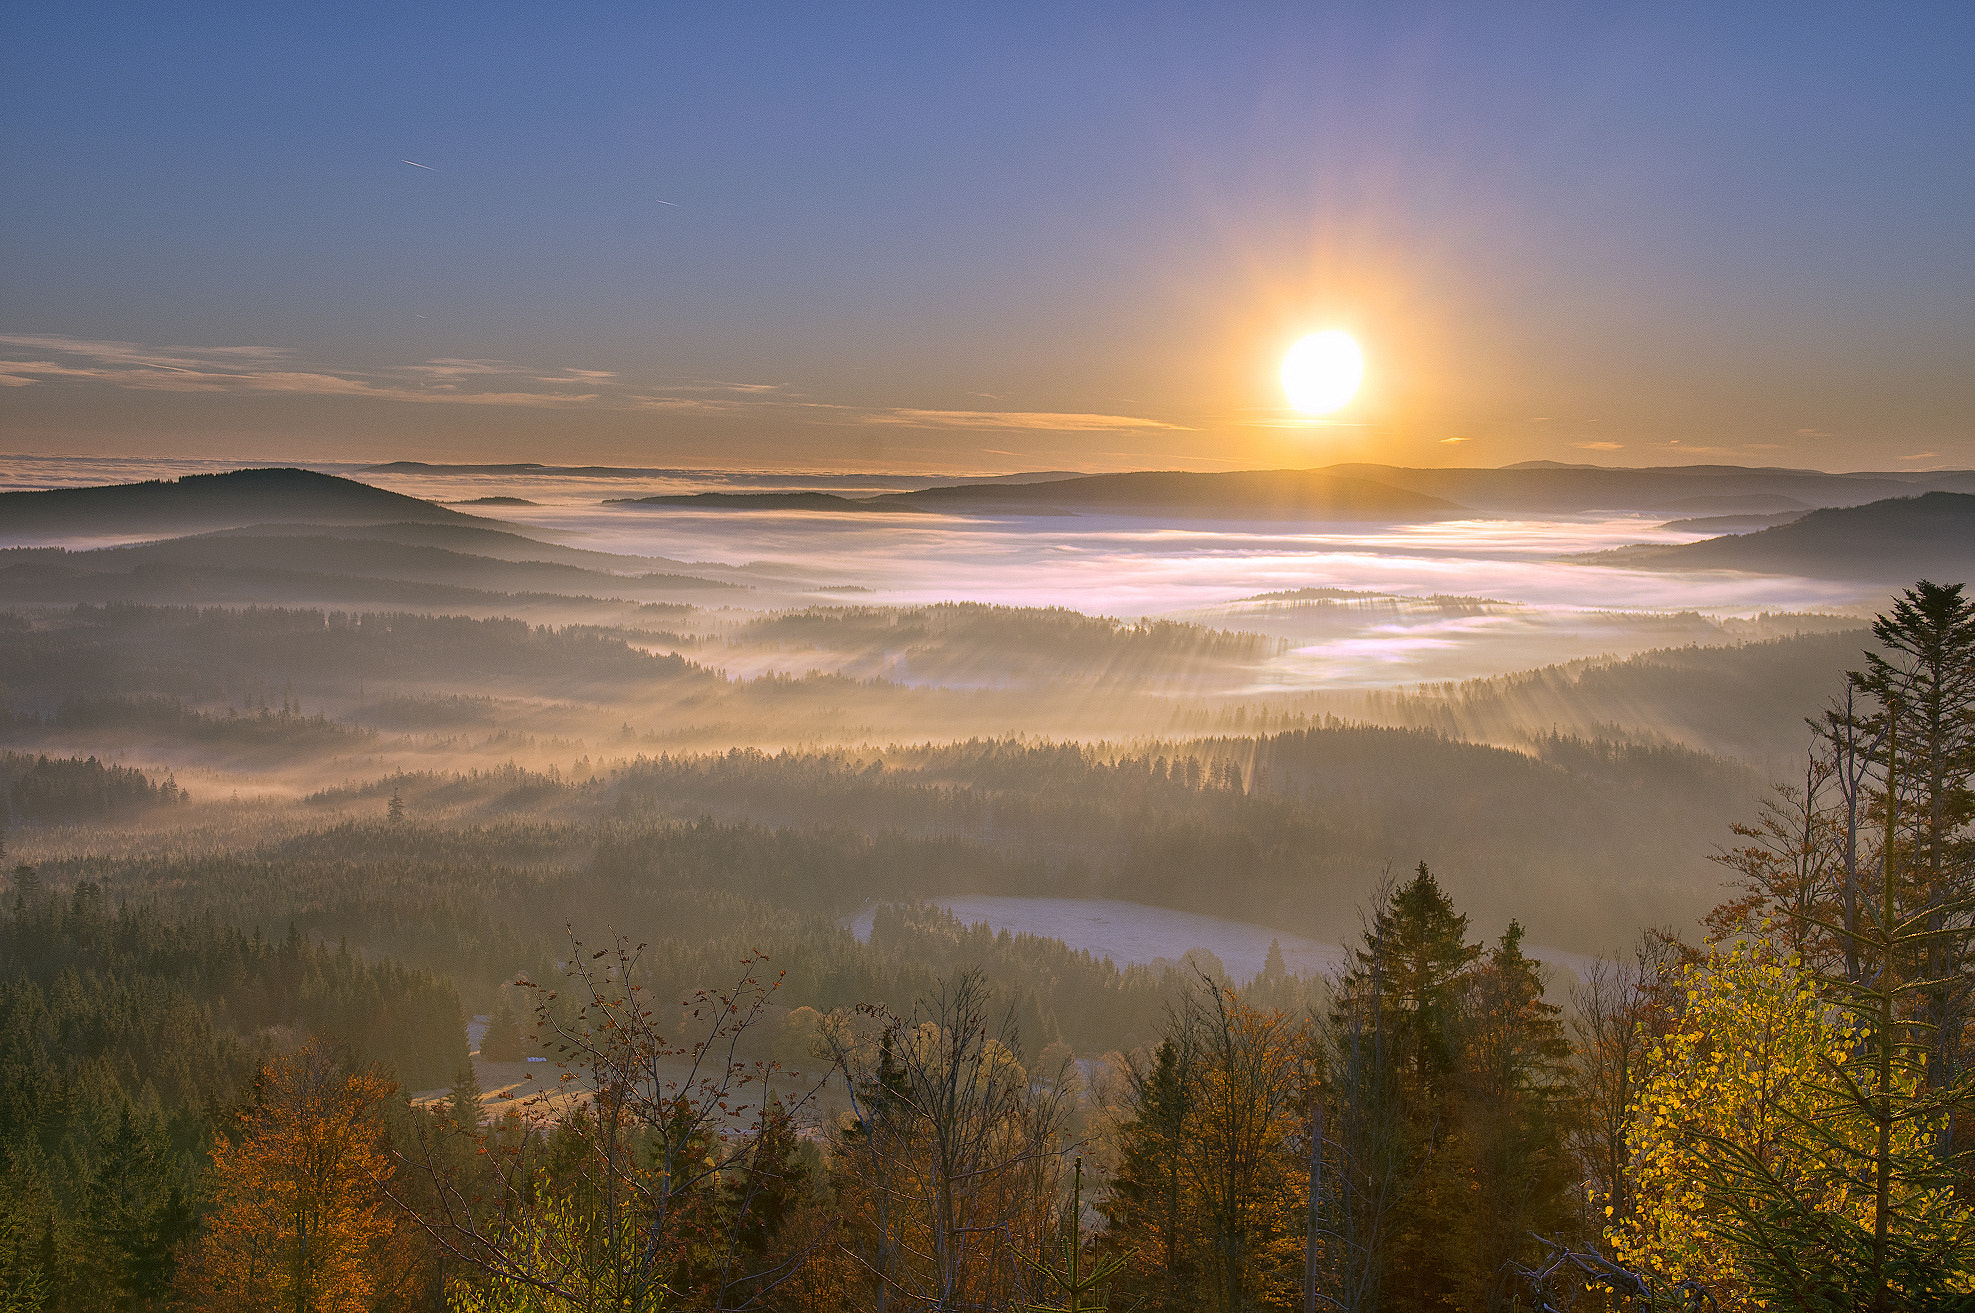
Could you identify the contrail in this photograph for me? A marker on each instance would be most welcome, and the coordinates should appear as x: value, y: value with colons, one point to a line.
x: 416, y: 165
x: 674, y: 204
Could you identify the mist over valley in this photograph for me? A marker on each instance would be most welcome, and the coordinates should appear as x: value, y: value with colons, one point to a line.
x: 1258, y: 716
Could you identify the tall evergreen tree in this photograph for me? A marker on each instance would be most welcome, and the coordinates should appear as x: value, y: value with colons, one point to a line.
x: 1416, y: 962
x: 501, y: 1042
x: 138, y: 1214
x: 1924, y: 721
x: 1517, y: 1118
x: 1149, y: 1210
x: 463, y: 1100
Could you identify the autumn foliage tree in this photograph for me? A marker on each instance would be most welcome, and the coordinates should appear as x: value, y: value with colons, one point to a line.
x: 654, y: 1171
x: 946, y: 1176
x: 1796, y: 1143
x: 1210, y: 1198
x: 299, y: 1220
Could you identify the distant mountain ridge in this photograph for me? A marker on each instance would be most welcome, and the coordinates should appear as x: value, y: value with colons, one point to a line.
x: 781, y: 481
x: 1300, y: 494
x: 1547, y: 487
x: 1375, y: 492
x: 762, y: 501
x: 201, y: 502
x: 1894, y: 541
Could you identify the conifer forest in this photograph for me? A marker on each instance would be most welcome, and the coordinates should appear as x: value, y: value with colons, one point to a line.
x: 1084, y: 657
x: 236, y: 1069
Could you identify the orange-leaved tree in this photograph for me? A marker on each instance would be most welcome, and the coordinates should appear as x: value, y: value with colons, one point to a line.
x: 298, y: 1222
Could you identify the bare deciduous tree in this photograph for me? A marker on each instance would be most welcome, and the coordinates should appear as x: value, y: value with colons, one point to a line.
x: 664, y: 1154
x: 947, y: 1175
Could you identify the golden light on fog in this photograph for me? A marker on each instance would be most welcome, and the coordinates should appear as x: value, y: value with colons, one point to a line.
x: 1321, y: 373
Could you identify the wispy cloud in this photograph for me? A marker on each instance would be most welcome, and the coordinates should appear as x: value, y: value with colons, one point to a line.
x: 1922, y: 455
x: 1052, y: 421
x: 1599, y: 446
x: 448, y: 380
x: 447, y: 369
x: 1446, y: 441
x: 256, y: 369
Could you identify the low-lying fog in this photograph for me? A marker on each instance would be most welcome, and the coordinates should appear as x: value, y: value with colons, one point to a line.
x: 1473, y: 597
x: 1136, y: 934
x: 1412, y: 603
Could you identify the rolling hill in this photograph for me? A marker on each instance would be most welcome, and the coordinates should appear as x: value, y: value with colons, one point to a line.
x: 1895, y: 541
x: 762, y: 501
x: 1266, y: 494
x: 1538, y: 487
x: 201, y: 502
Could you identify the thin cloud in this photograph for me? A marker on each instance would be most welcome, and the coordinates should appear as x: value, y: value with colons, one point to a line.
x: 259, y: 369
x: 1452, y: 440
x: 690, y: 405
x: 449, y: 380
x: 1812, y: 433
x: 1012, y: 419
x: 1599, y: 446
x: 444, y: 368
x: 1922, y: 455
x: 717, y: 386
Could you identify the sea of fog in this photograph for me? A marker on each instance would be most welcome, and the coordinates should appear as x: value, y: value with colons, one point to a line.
x: 1414, y: 603
x: 1137, y: 934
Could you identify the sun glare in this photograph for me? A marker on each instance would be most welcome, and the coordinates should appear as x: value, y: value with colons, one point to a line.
x: 1321, y: 373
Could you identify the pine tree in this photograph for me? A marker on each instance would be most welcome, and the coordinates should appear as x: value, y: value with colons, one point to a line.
x: 463, y: 1102
x: 1924, y: 688
x: 136, y: 1213
x: 1274, y: 968
x: 395, y: 812
x: 502, y: 1040
x: 1523, y: 1175
x: 1149, y: 1211
x: 1415, y: 966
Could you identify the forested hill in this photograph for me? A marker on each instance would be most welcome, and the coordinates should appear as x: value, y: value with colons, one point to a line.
x: 127, y: 1040
x: 1891, y: 541
x: 1748, y: 702
x: 211, y: 652
x: 1551, y: 487
x: 172, y: 1004
x: 1293, y: 494
x: 209, y: 501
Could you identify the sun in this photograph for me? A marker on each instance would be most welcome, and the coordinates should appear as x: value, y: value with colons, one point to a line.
x: 1321, y: 373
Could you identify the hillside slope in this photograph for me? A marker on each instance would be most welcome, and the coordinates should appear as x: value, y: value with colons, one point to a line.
x: 210, y: 501
x: 1535, y: 487
x: 1297, y: 494
x: 1894, y: 541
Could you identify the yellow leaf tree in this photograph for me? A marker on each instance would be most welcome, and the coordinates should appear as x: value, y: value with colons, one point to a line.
x: 298, y: 1223
x: 1742, y: 1065
x: 1761, y: 1167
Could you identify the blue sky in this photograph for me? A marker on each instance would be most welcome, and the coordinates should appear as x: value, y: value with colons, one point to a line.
x: 988, y: 237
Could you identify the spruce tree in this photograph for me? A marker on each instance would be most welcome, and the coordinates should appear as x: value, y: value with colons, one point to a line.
x: 136, y: 1212
x: 1416, y: 961
x: 1149, y: 1210
x: 463, y: 1102
x: 1924, y: 725
x: 1515, y: 1061
x: 502, y: 1040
